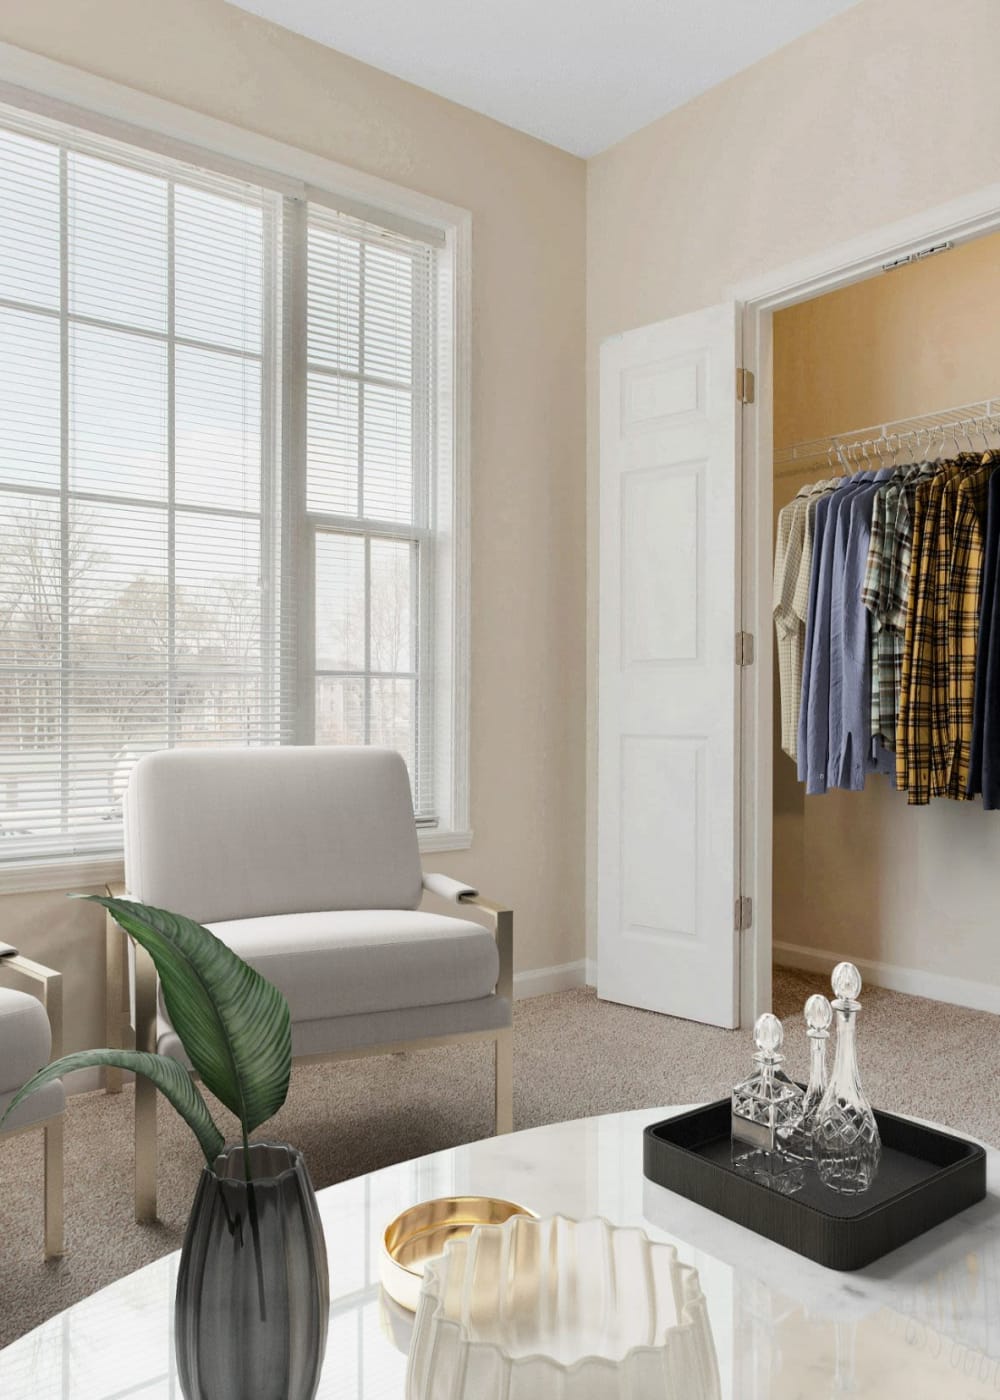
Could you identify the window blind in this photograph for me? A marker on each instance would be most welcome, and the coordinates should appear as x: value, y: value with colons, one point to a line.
x: 370, y: 488
x: 139, y: 539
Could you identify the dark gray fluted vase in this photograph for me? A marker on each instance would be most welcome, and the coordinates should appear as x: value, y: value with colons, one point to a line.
x: 253, y: 1292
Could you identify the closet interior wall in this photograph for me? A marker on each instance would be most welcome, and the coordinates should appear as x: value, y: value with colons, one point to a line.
x: 913, y: 890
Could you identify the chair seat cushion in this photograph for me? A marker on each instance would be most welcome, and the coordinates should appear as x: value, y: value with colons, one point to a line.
x: 356, y: 962
x: 46, y: 1102
x: 25, y: 1038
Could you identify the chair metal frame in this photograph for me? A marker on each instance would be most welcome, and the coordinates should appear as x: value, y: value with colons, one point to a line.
x: 50, y: 994
x: 119, y: 1025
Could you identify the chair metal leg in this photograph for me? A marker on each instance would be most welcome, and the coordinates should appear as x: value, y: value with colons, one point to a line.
x: 145, y: 1150
x: 114, y: 953
x: 145, y: 1093
x: 504, y: 1065
x: 54, y: 1211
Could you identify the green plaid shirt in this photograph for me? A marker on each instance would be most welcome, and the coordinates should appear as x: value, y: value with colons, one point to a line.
x: 886, y: 592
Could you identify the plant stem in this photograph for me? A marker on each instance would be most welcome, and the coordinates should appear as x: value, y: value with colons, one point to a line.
x: 246, y: 1151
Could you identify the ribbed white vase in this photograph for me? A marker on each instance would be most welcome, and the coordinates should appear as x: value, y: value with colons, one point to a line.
x: 561, y: 1310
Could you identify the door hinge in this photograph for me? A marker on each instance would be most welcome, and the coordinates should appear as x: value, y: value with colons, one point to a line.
x: 744, y: 649
x: 743, y: 914
x: 744, y: 386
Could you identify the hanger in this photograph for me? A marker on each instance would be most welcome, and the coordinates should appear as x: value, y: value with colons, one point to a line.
x: 988, y: 454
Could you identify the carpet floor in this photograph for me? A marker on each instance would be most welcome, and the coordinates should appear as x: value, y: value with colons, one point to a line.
x: 573, y: 1056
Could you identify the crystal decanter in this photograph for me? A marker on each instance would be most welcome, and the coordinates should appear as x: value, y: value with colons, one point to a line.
x: 818, y: 1015
x: 846, y: 1143
x: 765, y: 1109
x: 768, y: 1102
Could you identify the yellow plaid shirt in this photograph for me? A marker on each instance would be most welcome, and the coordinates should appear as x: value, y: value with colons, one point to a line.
x: 964, y: 603
x: 932, y: 726
x: 923, y: 692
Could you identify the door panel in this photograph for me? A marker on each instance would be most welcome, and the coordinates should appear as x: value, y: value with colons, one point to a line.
x: 668, y: 692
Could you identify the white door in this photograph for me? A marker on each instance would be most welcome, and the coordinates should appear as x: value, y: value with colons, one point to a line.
x: 668, y: 676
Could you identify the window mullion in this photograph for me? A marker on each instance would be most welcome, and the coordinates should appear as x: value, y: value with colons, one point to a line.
x: 361, y: 382
x: 424, y: 323
x: 171, y: 473
x: 368, y: 639
x: 297, y: 540
x: 271, y: 604
x: 65, y: 652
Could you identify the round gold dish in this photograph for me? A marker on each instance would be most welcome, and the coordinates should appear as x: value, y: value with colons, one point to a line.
x: 421, y: 1233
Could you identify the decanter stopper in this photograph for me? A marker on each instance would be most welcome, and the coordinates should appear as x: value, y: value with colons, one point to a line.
x: 768, y: 1101
x: 846, y: 1143
x: 768, y: 1036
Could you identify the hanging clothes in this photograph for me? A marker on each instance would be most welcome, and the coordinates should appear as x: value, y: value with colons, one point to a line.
x: 923, y: 695
x: 836, y: 683
x: 814, y: 707
x: 853, y: 754
x: 984, y: 757
x: 886, y: 591
x: 792, y: 569
x: 925, y: 746
x: 890, y: 661
x: 964, y: 609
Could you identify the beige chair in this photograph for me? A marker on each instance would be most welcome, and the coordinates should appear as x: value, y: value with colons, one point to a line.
x: 31, y: 1036
x: 305, y: 862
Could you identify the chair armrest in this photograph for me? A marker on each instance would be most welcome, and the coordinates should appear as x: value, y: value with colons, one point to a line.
x: 502, y: 921
x: 50, y: 983
x: 447, y: 888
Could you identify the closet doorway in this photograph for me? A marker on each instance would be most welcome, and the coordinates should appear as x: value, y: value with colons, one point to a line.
x: 907, y: 892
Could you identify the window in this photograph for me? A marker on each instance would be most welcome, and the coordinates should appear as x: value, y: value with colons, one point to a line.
x: 369, y: 489
x: 226, y: 480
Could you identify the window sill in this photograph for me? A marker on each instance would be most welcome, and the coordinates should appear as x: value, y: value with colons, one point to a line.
x: 69, y: 874
x: 444, y: 840
x: 86, y: 872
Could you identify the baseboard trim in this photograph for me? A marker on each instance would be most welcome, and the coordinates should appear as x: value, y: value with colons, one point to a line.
x: 936, y: 986
x: 540, y: 981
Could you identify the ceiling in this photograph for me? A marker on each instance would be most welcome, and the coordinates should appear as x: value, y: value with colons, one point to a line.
x: 581, y: 74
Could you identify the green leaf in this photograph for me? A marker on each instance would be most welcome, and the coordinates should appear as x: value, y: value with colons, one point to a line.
x: 233, y: 1023
x: 169, y: 1076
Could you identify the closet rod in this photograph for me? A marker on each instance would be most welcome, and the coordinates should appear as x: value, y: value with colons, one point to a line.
x: 835, y: 451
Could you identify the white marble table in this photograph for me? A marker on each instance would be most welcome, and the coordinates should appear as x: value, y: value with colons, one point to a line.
x: 923, y: 1322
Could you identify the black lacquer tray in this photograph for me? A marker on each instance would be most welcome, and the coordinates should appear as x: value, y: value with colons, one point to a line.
x: 925, y: 1176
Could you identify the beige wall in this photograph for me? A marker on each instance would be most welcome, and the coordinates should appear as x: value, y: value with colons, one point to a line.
x: 527, y: 201
x: 832, y: 136
x: 863, y: 874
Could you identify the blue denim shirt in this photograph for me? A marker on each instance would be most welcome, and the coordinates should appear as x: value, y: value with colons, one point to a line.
x: 834, y: 722
x: 851, y: 751
x: 814, y: 713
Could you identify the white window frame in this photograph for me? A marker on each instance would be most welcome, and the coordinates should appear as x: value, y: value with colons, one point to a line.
x: 67, y: 94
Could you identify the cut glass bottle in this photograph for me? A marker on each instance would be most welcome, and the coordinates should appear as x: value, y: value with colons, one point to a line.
x: 818, y: 1017
x: 767, y: 1103
x: 846, y: 1143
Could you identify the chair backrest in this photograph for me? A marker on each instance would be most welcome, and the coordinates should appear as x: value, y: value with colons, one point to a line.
x: 239, y: 833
